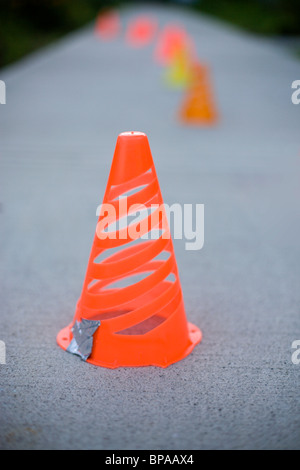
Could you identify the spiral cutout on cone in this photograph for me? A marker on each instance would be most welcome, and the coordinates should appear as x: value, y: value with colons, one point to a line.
x: 100, y: 296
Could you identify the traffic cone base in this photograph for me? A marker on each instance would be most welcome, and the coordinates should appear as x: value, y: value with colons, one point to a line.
x: 192, y: 112
x: 136, y: 355
x: 143, y: 323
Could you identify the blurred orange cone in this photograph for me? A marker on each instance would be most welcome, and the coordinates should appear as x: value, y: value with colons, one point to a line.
x: 108, y: 25
x: 172, y: 39
x: 141, y: 31
x: 144, y: 322
x: 198, y: 106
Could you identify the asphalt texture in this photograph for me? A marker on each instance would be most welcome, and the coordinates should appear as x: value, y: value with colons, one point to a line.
x: 65, y: 107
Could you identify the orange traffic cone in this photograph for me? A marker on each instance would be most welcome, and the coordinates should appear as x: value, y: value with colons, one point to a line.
x: 142, y: 322
x: 171, y: 39
x: 141, y: 31
x: 198, y: 106
x: 108, y: 25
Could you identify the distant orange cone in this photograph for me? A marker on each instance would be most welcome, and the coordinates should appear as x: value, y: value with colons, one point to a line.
x: 142, y: 322
x: 198, y: 106
x: 172, y: 38
x: 108, y: 25
x: 141, y: 31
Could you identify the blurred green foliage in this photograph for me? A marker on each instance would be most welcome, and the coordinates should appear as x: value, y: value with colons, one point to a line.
x: 269, y: 17
x: 25, y: 25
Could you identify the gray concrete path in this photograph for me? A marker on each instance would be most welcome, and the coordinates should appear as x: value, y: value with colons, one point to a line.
x: 65, y: 107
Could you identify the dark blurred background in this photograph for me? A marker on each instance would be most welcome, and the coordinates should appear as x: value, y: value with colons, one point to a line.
x: 26, y: 25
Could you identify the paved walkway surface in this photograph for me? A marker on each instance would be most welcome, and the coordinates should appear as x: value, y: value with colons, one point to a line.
x: 65, y: 107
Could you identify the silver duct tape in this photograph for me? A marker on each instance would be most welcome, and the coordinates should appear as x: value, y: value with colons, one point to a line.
x: 82, y: 342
